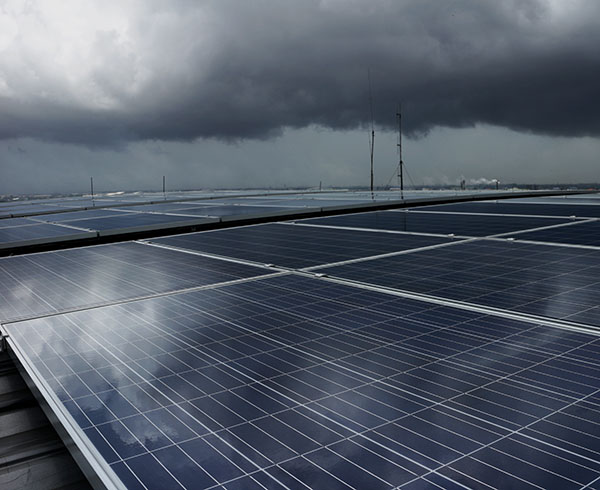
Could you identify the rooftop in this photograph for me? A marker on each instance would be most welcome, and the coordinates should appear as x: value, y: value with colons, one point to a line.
x: 307, y: 341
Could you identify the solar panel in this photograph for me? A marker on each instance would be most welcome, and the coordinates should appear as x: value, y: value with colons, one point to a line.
x: 319, y: 202
x: 297, y: 246
x: 58, y: 204
x: 49, y: 282
x: 249, y: 201
x: 551, y: 281
x: 129, y: 220
x: 291, y: 198
x: 213, y: 209
x: 469, y: 225
x: 231, y: 210
x: 75, y: 216
x: 12, y: 222
x: 14, y: 235
x: 167, y: 207
x: 581, y: 234
x: 565, y: 209
x: 316, y: 200
x: 25, y: 209
x: 285, y: 382
x: 87, y: 203
x: 593, y: 198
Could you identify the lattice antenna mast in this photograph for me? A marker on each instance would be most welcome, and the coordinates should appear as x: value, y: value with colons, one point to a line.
x: 400, y: 162
x: 372, y: 140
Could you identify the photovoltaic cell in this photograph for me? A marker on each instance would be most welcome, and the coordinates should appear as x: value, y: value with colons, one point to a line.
x: 297, y: 246
x: 291, y: 381
x: 556, y: 282
x: 440, y: 223
x: 48, y: 282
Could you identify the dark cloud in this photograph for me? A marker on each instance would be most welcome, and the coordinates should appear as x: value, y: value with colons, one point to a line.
x: 233, y: 70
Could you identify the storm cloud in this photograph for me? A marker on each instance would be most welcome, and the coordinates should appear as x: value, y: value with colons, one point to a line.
x: 109, y: 73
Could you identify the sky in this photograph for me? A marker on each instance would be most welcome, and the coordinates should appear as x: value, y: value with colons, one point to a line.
x: 282, y: 93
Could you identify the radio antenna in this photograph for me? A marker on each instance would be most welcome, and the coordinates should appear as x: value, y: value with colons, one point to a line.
x: 372, y: 140
x: 400, y: 162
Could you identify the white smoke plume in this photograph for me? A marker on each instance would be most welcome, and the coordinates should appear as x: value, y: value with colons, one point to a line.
x: 482, y: 181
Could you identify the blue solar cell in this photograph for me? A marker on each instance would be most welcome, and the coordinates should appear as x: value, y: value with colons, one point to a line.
x: 297, y: 246
x: 457, y: 397
x: 440, y: 223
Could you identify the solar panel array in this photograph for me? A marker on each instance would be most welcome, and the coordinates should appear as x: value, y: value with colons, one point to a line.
x: 70, y: 225
x: 438, y: 348
x: 44, y: 221
x: 47, y: 221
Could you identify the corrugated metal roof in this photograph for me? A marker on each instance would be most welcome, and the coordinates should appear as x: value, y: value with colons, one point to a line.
x: 32, y: 456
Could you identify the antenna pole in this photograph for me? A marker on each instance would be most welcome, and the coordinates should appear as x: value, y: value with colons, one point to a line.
x: 92, y: 189
x: 372, y: 148
x: 372, y: 142
x: 400, y: 163
x: 164, y: 194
